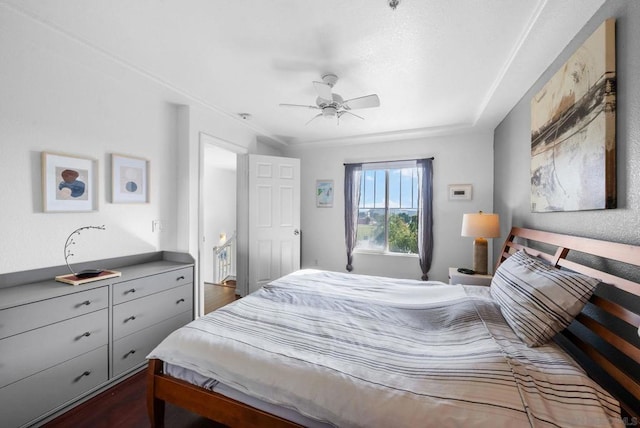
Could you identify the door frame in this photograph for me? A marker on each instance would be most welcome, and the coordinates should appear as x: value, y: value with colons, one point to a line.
x: 205, y: 140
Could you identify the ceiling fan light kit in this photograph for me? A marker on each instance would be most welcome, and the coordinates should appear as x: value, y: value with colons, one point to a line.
x: 332, y: 105
x: 329, y: 112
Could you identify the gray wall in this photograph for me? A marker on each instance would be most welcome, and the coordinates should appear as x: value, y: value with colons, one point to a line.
x: 512, y: 168
x: 512, y: 144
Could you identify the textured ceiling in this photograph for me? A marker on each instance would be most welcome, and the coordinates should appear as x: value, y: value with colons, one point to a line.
x: 437, y: 65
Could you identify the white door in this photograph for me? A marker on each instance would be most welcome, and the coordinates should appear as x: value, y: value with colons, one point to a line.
x: 274, y: 218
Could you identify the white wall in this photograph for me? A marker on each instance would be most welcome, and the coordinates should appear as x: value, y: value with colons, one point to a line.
x: 58, y: 95
x: 464, y: 158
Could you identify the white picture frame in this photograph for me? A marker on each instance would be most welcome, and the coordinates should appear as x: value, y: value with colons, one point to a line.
x: 460, y: 192
x: 69, y: 183
x: 129, y: 180
x: 324, y: 193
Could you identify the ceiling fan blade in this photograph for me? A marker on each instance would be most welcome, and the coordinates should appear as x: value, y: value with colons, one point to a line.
x: 340, y: 113
x: 323, y: 90
x: 298, y: 105
x: 314, y: 117
x: 367, y: 101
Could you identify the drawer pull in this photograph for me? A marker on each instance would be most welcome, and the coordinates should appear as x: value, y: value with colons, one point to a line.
x: 133, y: 351
x: 85, y: 303
x: 180, y: 301
x: 86, y: 334
x: 131, y: 318
x: 180, y: 278
x: 86, y: 373
x: 132, y: 290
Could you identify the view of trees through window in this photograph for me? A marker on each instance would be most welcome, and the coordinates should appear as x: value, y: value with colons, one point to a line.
x: 388, y: 210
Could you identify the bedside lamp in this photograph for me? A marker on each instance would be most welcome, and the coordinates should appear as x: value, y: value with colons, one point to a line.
x: 480, y: 226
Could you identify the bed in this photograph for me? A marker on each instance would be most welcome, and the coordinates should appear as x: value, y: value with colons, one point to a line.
x: 328, y: 349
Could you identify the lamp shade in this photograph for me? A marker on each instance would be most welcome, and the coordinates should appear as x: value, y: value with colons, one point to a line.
x: 481, y: 225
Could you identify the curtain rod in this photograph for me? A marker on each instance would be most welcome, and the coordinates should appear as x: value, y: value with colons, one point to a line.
x: 388, y: 161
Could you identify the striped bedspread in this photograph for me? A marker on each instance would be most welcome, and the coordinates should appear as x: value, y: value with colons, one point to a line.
x: 362, y: 351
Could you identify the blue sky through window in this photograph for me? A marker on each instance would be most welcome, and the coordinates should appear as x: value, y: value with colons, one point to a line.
x: 403, y: 188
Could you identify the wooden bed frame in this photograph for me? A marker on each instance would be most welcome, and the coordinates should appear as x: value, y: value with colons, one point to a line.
x: 611, y: 357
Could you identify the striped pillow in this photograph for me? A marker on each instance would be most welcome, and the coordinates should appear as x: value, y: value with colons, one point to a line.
x: 539, y: 300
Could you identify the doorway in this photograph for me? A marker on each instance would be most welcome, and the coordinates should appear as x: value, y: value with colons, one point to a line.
x: 218, y: 224
x: 274, y: 255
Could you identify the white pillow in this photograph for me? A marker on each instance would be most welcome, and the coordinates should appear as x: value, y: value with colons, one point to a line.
x: 539, y: 300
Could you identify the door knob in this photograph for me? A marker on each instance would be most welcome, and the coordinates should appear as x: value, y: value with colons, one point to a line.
x: 296, y: 232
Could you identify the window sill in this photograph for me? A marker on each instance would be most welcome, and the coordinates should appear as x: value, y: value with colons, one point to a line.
x: 380, y: 253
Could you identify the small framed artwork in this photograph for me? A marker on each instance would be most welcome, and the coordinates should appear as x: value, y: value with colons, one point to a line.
x: 69, y: 183
x: 324, y: 193
x: 130, y: 180
x: 460, y: 192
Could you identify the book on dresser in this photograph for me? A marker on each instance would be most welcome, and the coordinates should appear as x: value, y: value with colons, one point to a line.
x: 61, y: 344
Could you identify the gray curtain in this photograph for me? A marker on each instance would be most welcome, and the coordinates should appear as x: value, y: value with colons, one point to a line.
x: 425, y: 215
x: 352, y: 176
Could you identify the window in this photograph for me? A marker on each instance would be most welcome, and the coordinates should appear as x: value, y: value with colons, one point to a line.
x: 388, y: 208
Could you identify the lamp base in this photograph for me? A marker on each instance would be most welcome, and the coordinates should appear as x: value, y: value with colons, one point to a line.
x: 480, y: 256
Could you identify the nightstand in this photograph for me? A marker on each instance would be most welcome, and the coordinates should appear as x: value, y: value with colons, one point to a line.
x: 456, y: 277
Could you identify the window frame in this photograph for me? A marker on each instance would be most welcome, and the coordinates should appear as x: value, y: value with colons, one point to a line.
x: 386, y: 166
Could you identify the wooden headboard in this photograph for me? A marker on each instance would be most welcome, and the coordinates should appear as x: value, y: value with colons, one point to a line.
x: 604, y: 336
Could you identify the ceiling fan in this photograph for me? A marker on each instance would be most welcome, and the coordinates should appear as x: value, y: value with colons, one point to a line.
x: 332, y: 105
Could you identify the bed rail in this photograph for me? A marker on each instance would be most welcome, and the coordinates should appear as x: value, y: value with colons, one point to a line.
x: 604, y: 336
x: 224, y: 410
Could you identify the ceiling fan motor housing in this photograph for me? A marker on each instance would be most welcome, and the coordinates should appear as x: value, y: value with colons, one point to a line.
x: 330, y: 79
x: 336, y: 102
x: 329, y: 112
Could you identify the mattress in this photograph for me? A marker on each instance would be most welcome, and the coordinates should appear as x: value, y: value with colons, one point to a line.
x: 353, y: 350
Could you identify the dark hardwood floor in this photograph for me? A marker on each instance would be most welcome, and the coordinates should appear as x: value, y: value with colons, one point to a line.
x: 216, y: 296
x: 124, y: 405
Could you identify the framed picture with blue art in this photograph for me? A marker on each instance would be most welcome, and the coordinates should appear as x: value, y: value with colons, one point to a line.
x: 324, y: 193
x: 130, y: 180
x: 69, y: 183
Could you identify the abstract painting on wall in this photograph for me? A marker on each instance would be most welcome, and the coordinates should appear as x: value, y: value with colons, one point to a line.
x: 130, y: 179
x: 573, y: 142
x: 68, y: 183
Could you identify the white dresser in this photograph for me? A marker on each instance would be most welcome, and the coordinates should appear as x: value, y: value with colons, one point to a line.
x: 61, y: 344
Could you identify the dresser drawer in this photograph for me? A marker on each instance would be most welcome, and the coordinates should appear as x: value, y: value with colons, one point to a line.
x: 135, y: 315
x: 25, y: 354
x: 28, y: 317
x: 136, y: 288
x: 23, y: 401
x: 132, y: 350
